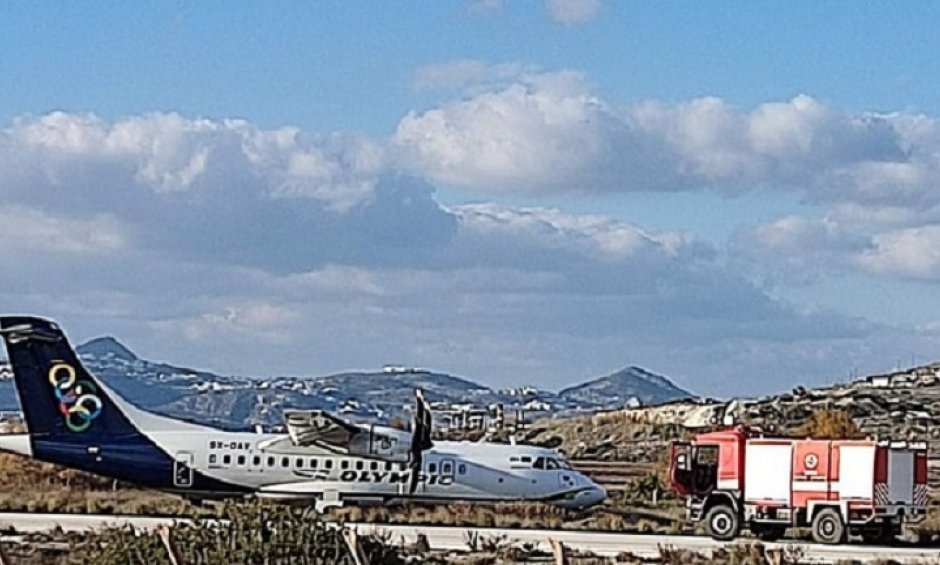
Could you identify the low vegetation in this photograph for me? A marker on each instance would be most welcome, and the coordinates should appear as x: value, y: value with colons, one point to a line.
x: 237, y: 533
x: 829, y: 424
x: 32, y: 486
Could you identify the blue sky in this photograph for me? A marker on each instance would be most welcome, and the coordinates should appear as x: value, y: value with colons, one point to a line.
x: 743, y: 196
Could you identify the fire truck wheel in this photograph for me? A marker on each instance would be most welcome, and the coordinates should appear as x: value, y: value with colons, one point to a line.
x: 723, y: 523
x: 828, y: 527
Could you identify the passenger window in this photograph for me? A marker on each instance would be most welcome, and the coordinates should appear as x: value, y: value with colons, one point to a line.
x: 212, y: 459
x: 256, y: 460
x: 432, y: 468
x: 344, y: 464
x: 539, y: 463
x: 388, y: 465
x: 241, y: 460
x: 313, y: 463
x: 526, y: 459
x: 270, y: 461
x: 359, y: 465
x: 461, y: 469
x: 374, y: 466
x: 226, y: 459
x: 299, y: 463
x: 328, y: 463
x: 447, y: 468
x: 285, y: 462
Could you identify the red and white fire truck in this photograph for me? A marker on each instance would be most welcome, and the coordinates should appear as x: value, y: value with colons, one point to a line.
x: 736, y: 478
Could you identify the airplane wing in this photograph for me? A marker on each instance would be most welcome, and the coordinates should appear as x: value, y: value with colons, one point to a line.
x: 315, y: 427
x: 322, y: 429
x: 325, y: 430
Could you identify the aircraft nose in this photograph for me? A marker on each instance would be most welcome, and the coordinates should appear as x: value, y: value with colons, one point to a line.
x: 592, y: 496
x: 585, y: 498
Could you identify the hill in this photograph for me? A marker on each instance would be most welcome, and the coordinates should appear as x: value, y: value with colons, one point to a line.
x: 904, y: 405
x: 631, y: 385
x: 241, y: 402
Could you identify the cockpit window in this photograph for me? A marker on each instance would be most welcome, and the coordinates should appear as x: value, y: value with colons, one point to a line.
x: 551, y: 464
x: 539, y: 463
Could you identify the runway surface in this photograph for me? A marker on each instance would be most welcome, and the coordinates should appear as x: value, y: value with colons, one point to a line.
x: 455, y: 538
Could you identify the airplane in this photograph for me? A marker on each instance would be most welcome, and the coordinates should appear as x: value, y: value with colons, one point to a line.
x: 75, y: 420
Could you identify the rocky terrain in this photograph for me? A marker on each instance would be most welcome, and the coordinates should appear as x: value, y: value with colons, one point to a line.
x: 904, y: 405
x: 240, y: 402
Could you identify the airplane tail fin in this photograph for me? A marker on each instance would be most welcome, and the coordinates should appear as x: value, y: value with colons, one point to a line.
x: 61, y: 401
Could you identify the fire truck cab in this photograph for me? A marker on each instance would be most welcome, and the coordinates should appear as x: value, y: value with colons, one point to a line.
x: 736, y: 478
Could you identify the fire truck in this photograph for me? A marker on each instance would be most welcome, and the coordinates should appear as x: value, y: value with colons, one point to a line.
x: 736, y: 478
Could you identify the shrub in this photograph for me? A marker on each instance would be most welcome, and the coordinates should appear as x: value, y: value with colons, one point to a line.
x: 830, y: 424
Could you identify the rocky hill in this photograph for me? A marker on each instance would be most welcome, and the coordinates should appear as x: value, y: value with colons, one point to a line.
x: 239, y: 402
x: 631, y: 386
x: 904, y: 405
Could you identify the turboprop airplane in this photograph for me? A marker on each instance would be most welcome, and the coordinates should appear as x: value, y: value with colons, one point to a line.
x: 74, y: 419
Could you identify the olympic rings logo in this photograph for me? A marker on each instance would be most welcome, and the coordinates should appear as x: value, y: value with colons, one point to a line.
x: 78, y: 400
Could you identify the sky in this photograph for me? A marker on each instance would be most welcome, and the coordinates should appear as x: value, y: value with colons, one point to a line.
x: 742, y: 196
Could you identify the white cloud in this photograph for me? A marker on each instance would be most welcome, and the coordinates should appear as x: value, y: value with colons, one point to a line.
x: 913, y: 253
x: 565, y: 12
x: 24, y: 229
x: 596, y: 236
x: 797, y: 248
x: 485, y: 7
x: 201, y: 238
x: 571, y: 12
x: 250, y: 322
x: 549, y: 133
x: 544, y: 133
x: 451, y: 74
x: 171, y: 153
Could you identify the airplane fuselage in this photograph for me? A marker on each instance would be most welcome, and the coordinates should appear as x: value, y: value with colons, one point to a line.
x: 209, y: 463
x: 75, y: 420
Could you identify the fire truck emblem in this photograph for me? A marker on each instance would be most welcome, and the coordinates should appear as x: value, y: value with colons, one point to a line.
x: 811, y: 460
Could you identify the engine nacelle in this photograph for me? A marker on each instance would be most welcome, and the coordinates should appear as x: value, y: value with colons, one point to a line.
x: 381, y: 442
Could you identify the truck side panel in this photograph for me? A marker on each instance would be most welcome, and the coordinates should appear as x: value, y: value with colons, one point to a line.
x: 856, y: 472
x: 900, y: 476
x: 813, y: 472
x: 767, y: 468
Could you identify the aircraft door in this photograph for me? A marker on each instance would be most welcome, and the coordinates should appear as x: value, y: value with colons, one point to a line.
x: 183, y: 469
x: 446, y: 476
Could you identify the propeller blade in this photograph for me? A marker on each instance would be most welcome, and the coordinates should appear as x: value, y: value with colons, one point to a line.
x: 420, y: 438
x: 415, y: 475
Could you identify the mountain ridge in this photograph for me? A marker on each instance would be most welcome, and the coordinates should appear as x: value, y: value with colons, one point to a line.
x: 234, y: 401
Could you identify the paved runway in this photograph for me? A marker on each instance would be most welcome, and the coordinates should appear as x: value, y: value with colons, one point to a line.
x: 446, y: 537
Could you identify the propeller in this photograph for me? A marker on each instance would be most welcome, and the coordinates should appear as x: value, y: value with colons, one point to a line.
x: 420, y: 438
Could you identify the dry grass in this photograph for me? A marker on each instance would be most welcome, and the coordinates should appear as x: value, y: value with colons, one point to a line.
x: 39, y: 487
x: 29, y: 485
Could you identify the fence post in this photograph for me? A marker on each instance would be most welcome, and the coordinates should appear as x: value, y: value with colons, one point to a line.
x: 558, y: 550
x: 5, y: 558
x: 166, y: 536
x: 351, y: 537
